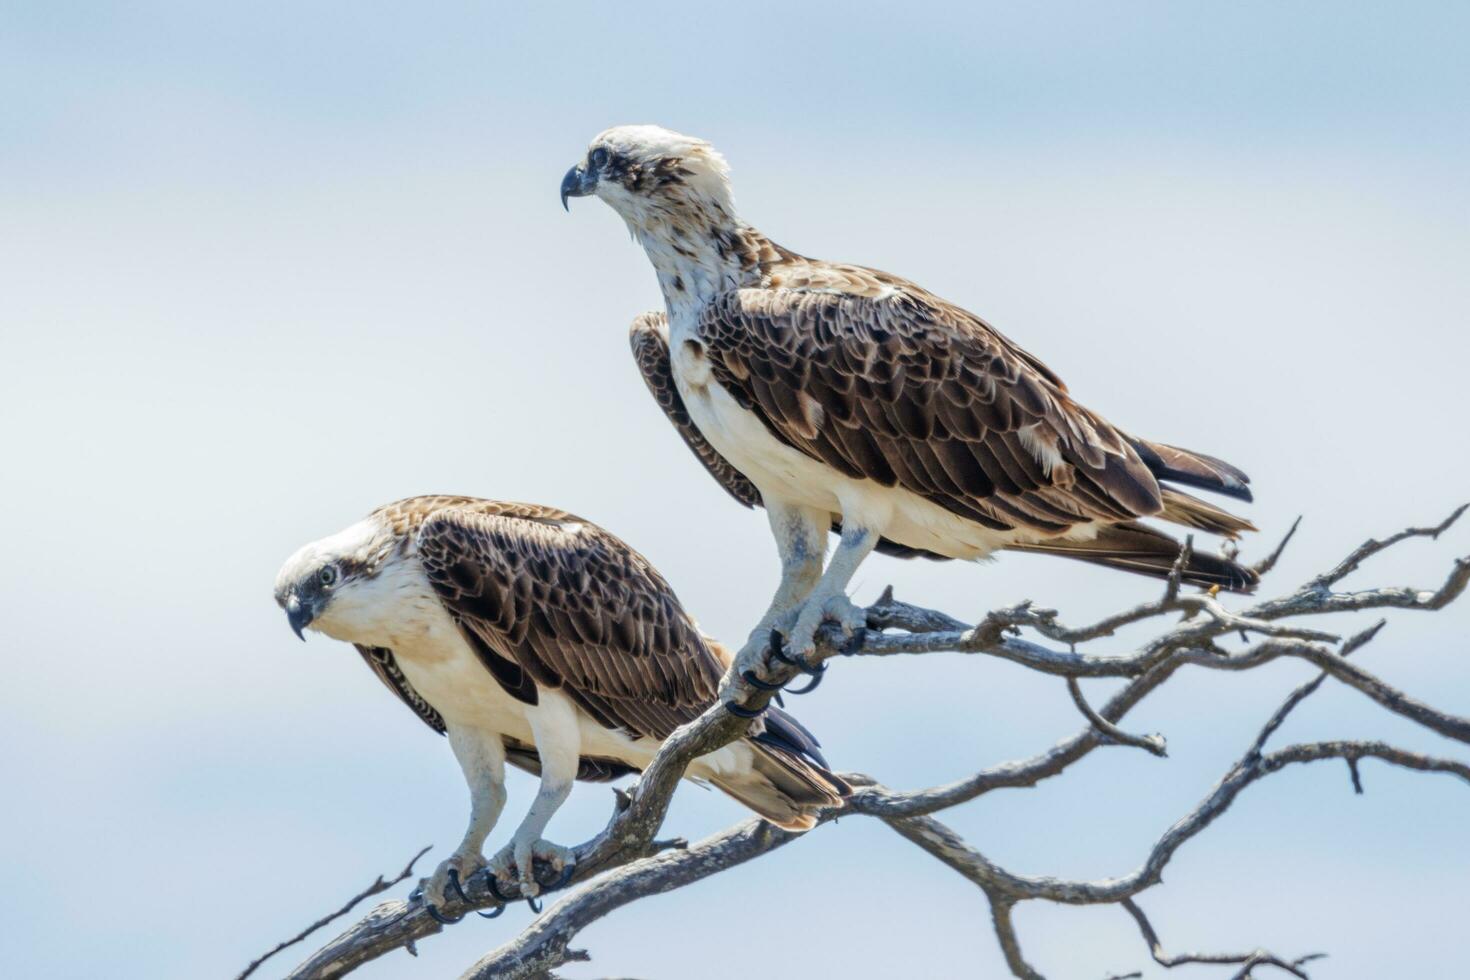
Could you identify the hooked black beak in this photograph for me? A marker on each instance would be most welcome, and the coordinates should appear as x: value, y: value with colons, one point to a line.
x: 299, y: 614
x: 579, y: 182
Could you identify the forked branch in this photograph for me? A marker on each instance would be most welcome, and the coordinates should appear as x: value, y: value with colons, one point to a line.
x: 625, y: 862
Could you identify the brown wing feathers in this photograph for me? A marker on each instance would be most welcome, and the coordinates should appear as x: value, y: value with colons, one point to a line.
x: 575, y: 608
x: 385, y: 665
x: 920, y: 395
x: 883, y: 381
x: 581, y: 612
x: 649, y: 339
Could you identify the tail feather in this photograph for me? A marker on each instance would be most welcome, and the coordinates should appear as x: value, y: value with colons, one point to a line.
x: 786, y: 789
x: 792, y: 747
x: 1138, y: 548
x: 784, y: 733
x: 1181, y: 508
x: 788, y: 782
x: 1174, y: 465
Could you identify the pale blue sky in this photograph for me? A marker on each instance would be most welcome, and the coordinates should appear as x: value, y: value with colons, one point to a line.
x: 266, y: 266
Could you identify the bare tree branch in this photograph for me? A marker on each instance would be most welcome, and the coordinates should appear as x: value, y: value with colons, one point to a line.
x: 1310, y: 687
x: 1149, y: 743
x: 1176, y: 573
x: 1004, y: 889
x: 1269, y: 562
x: 948, y: 847
x: 628, y: 863
x: 399, y: 925
x: 376, y: 888
x: 543, y: 945
x: 1247, y: 961
x: 1372, y: 547
x: 1009, y: 775
x: 1010, y: 943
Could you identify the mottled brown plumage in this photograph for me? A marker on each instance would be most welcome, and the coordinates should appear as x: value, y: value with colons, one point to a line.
x: 385, y: 666
x: 883, y: 417
x: 649, y: 339
x: 907, y: 391
x: 545, y: 597
x: 532, y: 637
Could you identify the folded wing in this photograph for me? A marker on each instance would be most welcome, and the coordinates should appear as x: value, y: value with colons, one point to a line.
x: 905, y: 390
x: 575, y: 610
x: 649, y: 338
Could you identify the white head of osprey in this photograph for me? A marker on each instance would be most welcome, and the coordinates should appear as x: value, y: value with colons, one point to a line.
x: 674, y: 192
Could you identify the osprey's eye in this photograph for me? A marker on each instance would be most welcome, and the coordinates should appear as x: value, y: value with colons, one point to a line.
x: 598, y: 158
x: 327, y: 576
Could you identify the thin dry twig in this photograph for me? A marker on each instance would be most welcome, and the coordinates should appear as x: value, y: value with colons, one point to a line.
x: 1269, y: 562
x: 376, y: 888
x: 1372, y: 546
x: 1176, y: 573
x: 1296, y: 697
x: 1149, y: 743
x: 1256, y: 957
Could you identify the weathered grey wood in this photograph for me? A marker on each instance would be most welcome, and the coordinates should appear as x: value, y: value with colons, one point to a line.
x: 628, y: 863
x: 544, y: 944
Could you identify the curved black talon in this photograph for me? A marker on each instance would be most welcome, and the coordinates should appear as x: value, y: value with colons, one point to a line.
x: 799, y: 664
x: 493, y: 883
x: 535, y: 904
x: 816, y: 672
x: 563, y: 878
x: 740, y: 711
x: 459, y: 890
x: 755, y: 681
x: 812, y: 686
x: 417, y: 895
x: 806, y: 668
x: 438, y: 916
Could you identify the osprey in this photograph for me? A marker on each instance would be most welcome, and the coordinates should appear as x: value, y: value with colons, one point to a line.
x: 531, y: 636
x: 846, y: 399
